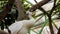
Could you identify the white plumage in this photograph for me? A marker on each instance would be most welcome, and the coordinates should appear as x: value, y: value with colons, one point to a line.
x: 21, y: 27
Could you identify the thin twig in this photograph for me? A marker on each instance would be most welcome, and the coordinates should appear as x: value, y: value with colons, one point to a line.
x: 55, y: 25
x: 53, y: 7
x: 35, y: 1
x: 38, y: 19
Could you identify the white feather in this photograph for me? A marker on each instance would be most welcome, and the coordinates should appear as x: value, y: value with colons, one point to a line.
x: 21, y: 27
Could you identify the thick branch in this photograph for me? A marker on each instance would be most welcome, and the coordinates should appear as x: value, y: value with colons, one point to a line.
x: 21, y: 12
x: 38, y: 5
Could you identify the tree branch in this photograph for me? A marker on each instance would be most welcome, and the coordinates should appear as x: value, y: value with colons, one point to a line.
x: 43, y: 11
x: 38, y: 5
x: 53, y: 7
x: 35, y: 1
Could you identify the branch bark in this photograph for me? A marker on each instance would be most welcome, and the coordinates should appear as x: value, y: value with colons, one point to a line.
x: 38, y: 5
x: 21, y: 12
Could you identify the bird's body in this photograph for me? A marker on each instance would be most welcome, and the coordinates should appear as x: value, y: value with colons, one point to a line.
x: 21, y: 26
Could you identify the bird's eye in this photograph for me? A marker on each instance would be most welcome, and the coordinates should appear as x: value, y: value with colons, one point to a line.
x: 6, y: 18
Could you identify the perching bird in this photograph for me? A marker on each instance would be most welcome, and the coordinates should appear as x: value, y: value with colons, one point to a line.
x: 21, y: 27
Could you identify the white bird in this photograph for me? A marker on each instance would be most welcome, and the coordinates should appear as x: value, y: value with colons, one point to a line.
x: 21, y: 27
